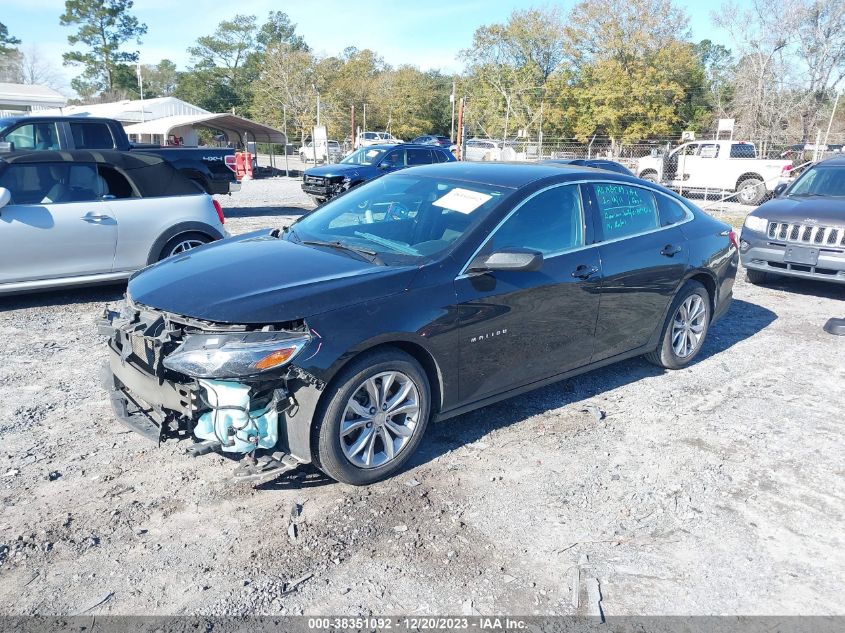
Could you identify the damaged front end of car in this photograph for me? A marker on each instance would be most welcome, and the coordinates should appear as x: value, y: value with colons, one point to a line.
x: 232, y: 388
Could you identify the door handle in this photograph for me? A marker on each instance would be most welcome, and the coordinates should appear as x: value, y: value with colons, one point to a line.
x: 584, y: 272
x: 95, y: 217
x: 670, y: 251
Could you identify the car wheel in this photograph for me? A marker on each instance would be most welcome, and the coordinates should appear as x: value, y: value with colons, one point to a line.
x: 757, y: 276
x: 318, y: 201
x: 649, y: 177
x: 751, y: 191
x: 182, y: 243
x: 374, y: 417
x: 685, y: 328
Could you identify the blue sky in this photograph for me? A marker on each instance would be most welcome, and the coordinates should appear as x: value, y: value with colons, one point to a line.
x: 427, y: 34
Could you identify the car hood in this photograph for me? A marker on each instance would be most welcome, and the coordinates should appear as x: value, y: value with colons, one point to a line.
x: 349, y: 171
x: 258, y: 279
x: 826, y: 211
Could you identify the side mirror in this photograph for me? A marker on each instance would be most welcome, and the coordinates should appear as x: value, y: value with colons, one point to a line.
x: 779, y: 189
x: 5, y: 197
x: 6, y: 147
x: 514, y: 259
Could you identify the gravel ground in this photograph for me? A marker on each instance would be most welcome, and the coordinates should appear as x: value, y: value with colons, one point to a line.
x: 717, y: 489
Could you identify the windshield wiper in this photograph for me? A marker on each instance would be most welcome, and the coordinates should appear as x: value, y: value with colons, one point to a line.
x: 365, y: 254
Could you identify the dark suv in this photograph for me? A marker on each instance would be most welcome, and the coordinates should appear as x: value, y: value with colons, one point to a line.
x: 801, y: 232
x: 327, y: 181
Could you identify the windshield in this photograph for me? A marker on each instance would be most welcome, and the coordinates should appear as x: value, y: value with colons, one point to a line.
x: 364, y: 156
x: 403, y: 218
x: 821, y: 181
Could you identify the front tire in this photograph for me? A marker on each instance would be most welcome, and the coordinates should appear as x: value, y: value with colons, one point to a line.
x: 649, y: 176
x: 374, y: 417
x: 757, y: 277
x: 685, y: 328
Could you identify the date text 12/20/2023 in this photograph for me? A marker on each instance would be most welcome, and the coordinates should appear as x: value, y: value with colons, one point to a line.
x: 422, y: 623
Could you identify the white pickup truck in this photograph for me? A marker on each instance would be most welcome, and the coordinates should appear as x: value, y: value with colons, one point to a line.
x: 703, y: 166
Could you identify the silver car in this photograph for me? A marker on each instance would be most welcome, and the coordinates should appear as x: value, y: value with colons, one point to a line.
x: 74, y: 218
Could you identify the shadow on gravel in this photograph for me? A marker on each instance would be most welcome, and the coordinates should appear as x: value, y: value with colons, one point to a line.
x: 47, y: 299
x: 809, y: 287
x: 266, y: 212
x: 742, y: 321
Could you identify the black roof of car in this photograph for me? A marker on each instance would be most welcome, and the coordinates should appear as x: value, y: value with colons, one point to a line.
x: 510, y: 175
x: 125, y: 160
x: 9, y: 120
x: 152, y: 175
x: 835, y: 160
x: 395, y: 145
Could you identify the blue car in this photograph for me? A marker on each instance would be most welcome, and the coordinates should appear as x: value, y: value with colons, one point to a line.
x: 327, y: 181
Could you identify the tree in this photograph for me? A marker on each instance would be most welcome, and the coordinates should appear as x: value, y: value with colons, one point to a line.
x: 285, y: 87
x: 7, y: 42
x: 29, y: 66
x: 279, y: 30
x: 160, y: 80
x: 635, y: 72
x: 226, y: 51
x: 104, y: 26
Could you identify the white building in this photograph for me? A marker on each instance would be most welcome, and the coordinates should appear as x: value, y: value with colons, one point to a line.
x: 168, y: 120
x: 16, y: 99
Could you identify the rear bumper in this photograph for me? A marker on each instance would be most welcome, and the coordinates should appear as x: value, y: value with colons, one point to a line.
x: 767, y: 257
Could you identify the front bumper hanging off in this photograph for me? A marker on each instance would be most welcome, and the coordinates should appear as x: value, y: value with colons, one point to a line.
x: 159, y: 404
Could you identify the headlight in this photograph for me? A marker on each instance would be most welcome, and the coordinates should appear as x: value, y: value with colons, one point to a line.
x: 754, y: 223
x: 235, y: 355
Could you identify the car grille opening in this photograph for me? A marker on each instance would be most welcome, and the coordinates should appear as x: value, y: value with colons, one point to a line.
x: 807, y: 234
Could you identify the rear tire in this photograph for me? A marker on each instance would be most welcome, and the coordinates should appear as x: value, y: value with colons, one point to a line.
x: 757, y: 277
x: 649, y: 176
x: 751, y: 191
x: 183, y: 243
x: 685, y: 329
x: 354, y: 426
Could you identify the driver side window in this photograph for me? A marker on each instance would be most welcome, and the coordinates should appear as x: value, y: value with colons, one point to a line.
x: 551, y: 222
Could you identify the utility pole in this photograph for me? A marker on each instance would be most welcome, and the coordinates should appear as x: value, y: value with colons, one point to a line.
x: 141, y: 88
x: 832, y: 114
x: 352, y: 126
x: 285, y: 130
x: 540, y: 135
x: 452, y: 99
x: 460, y: 139
x: 365, y: 117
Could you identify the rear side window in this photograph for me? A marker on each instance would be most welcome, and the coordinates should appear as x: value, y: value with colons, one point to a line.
x: 671, y: 211
x: 114, y: 183
x: 37, y: 136
x: 550, y: 222
x: 87, y: 135
x: 625, y: 210
x: 742, y: 150
x: 419, y: 157
x: 51, y: 183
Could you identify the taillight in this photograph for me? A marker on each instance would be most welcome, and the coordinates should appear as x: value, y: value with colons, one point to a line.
x: 732, y: 238
x: 231, y: 162
x: 219, y: 210
x: 786, y: 172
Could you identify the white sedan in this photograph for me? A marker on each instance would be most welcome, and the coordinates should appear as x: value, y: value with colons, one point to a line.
x: 75, y: 218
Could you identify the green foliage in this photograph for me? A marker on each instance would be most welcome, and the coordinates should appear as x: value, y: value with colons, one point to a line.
x: 278, y: 29
x: 103, y: 27
x: 7, y: 41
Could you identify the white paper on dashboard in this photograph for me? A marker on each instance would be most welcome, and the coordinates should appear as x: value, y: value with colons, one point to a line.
x: 462, y: 200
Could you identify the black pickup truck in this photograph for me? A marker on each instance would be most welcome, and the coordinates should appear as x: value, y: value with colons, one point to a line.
x: 213, y: 169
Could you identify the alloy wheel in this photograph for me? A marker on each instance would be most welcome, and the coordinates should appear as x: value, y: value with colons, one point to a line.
x: 380, y: 419
x: 688, y: 326
x: 185, y: 245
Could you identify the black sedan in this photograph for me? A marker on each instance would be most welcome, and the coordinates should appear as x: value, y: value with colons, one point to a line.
x: 801, y: 232
x: 420, y: 295
x: 595, y: 163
